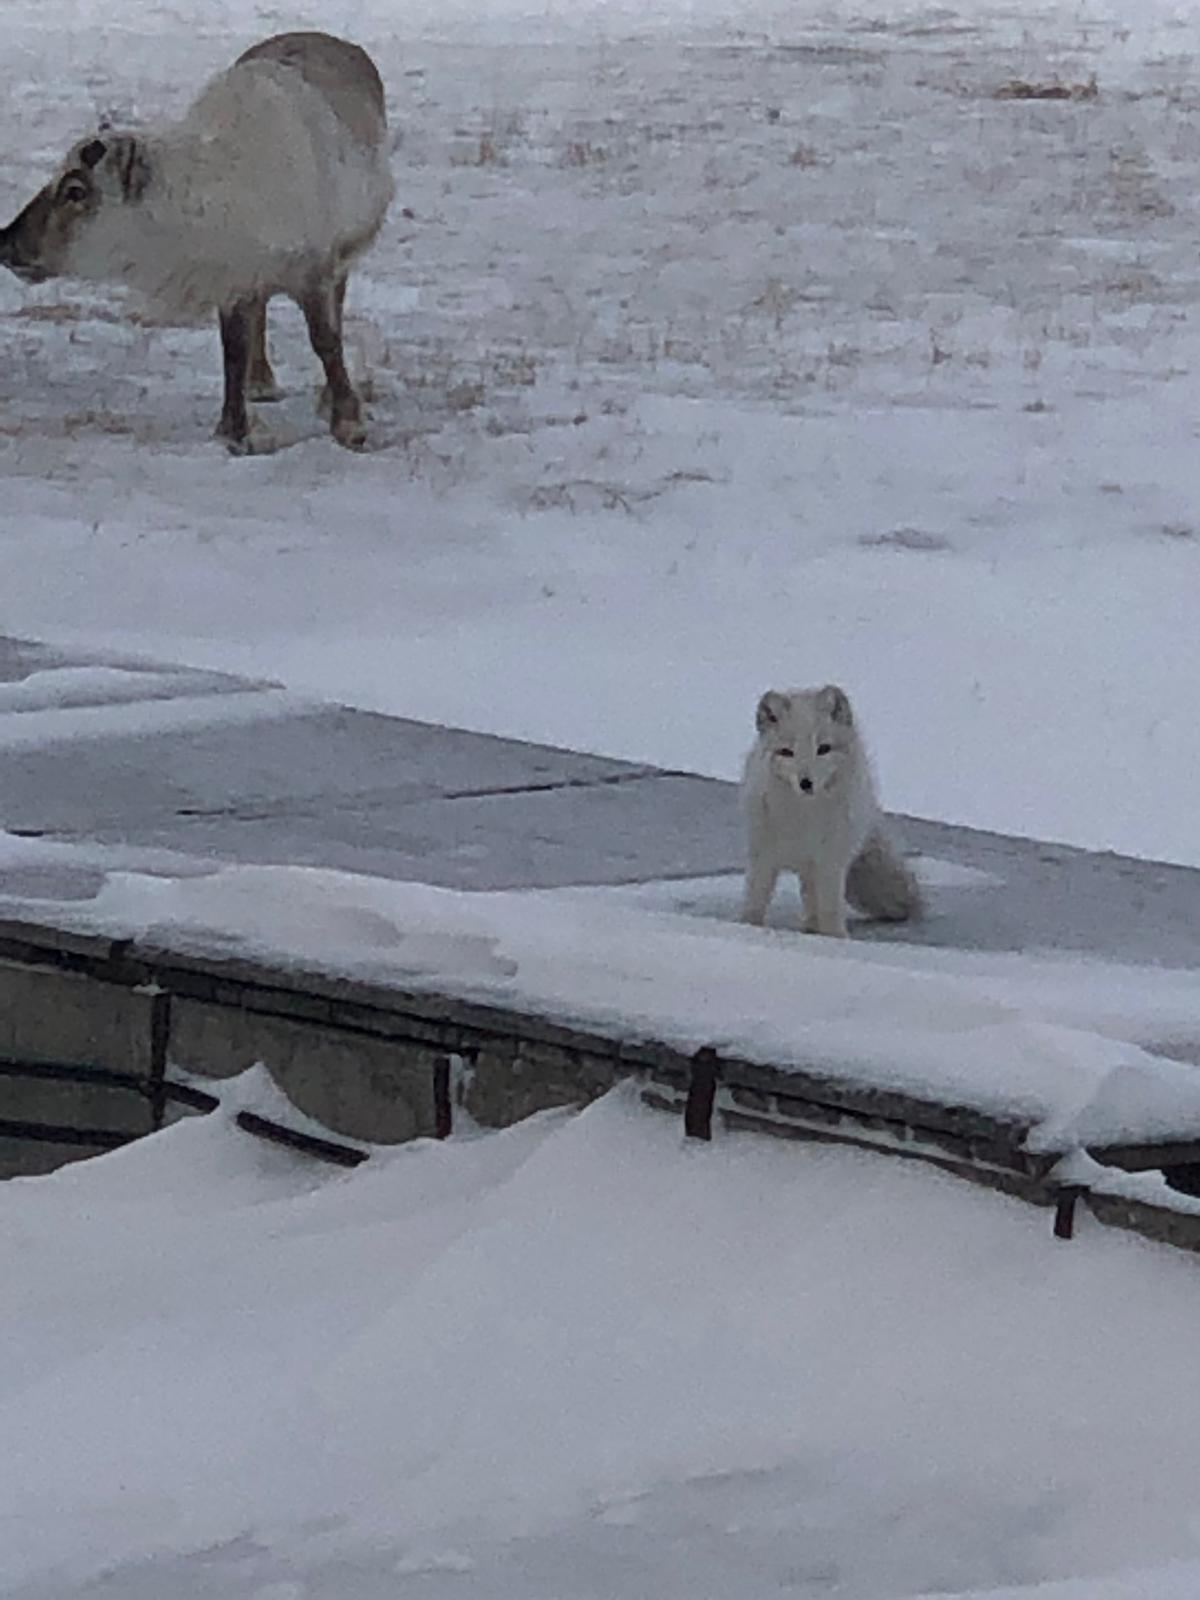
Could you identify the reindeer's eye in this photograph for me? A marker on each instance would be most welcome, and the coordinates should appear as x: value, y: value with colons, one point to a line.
x: 787, y: 753
x: 74, y: 191
x: 824, y: 749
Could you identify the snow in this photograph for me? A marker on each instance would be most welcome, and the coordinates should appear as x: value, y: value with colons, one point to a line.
x: 227, y: 1369
x: 1176, y: 1582
x: 710, y: 347
x: 81, y: 686
x: 26, y: 727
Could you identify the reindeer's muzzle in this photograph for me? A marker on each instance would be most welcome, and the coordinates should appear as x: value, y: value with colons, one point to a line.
x: 21, y: 241
x: 25, y: 270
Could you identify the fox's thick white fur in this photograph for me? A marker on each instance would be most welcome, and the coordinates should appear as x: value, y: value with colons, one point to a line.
x: 811, y: 808
x: 265, y: 185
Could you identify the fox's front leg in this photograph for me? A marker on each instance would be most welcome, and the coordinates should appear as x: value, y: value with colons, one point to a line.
x: 761, y: 877
x: 824, y: 902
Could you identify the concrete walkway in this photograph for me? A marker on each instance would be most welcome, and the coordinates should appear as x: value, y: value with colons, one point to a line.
x: 153, y: 766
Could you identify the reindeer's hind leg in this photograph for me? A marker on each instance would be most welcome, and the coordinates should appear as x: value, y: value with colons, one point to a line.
x: 260, y: 384
x: 321, y: 305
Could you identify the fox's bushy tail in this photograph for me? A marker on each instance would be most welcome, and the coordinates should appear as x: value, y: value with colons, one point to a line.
x: 881, y: 884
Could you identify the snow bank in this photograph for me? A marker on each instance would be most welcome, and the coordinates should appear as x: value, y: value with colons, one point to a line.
x: 1058, y: 1044
x: 579, y: 1358
x: 24, y: 726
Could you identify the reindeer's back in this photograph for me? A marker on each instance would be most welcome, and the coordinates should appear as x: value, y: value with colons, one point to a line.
x: 342, y: 72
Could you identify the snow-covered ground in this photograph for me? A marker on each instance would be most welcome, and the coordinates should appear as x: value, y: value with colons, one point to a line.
x: 576, y: 1361
x: 724, y: 346
x: 710, y: 346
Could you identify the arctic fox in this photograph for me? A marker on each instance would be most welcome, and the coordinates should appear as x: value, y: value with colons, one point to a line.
x: 811, y: 808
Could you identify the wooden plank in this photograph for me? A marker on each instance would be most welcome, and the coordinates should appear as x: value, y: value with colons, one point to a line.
x: 73, y: 1072
x: 1163, y: 1224
x: 187, y: 1094
x: 106, y: 1077
x: 997, y: 1150
x: 341, y: 1155
x: 1006, y: 1182
x: 44, y: 940
x: 809, y: 1083
x: 58, y: 1133
x: 1148, y: 1157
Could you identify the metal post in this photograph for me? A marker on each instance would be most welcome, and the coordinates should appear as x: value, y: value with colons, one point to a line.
x: 697, y: 1113
x: 160, y: 1038
x: 1064, y: 1211
x: 443, y: 1109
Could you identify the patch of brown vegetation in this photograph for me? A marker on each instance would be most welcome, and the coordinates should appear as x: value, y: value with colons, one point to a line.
x: 61, y: 312
x: 582, y: 153
x: 1021, y: 89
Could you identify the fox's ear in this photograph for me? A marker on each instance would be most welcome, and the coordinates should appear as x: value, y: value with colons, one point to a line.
x: 770, y: 708
x: 835, y: 703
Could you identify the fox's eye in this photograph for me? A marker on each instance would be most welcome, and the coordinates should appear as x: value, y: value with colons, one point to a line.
x: 786, y: 754
x: 824, y: 749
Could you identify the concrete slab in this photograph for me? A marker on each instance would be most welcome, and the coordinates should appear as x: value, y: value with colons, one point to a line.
x: 1054, y: 897
x: 223, y: 771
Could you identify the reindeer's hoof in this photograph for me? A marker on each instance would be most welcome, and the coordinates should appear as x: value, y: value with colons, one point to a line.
x: 255, y: 441
x: 264, y: 390
x: 350, y: 433
x: 242, y: 447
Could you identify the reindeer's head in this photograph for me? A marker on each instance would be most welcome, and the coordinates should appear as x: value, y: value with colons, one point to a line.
x: 102, y: 170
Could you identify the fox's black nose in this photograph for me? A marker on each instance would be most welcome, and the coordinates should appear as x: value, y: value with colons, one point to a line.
x: 806, y: 785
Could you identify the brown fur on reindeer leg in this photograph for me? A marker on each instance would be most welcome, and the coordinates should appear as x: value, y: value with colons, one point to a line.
x: 325, y: 398
x: 321, y: 306
x: 260, y: 380
x: 234, y: 424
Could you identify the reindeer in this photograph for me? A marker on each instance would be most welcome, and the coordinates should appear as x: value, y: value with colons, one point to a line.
x: 274, y: 182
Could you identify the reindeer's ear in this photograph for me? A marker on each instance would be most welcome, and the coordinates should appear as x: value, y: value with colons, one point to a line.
x: 93, y: 153
x: 770, y: 708
x: 835, y: 703
x: 125, y: 158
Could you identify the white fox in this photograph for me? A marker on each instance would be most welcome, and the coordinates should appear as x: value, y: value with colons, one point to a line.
x: 811, y: 808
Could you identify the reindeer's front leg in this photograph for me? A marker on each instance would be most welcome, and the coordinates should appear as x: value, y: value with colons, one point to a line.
x: 325, y: 399
x: 260, y: 384
x: 234, y: 425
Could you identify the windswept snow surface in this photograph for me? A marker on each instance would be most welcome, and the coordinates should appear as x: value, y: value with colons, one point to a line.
x: 725, y: 345
x: 578, y: 1361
